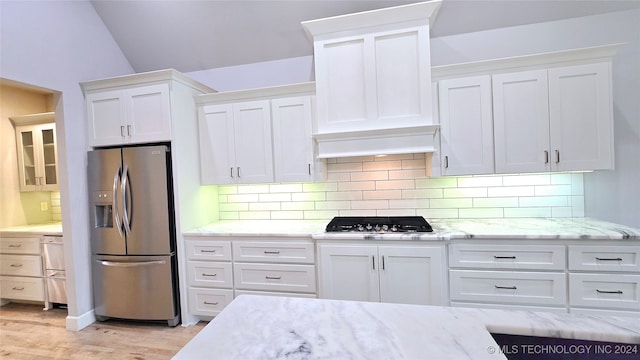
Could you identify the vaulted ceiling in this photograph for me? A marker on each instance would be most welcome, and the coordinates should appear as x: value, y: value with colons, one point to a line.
x: 190, y: 35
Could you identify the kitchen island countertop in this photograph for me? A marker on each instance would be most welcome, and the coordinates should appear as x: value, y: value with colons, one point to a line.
x: 444, y: 229
x: 262, y: 327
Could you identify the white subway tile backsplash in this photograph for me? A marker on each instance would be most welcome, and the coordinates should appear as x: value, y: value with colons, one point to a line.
x: 369, y: 175
x: 382, y: 165
x: 544, y: 201
x: 484, y: 213
x: 298, y: 205
x: 552, y: 190
x: 443, y: 182
x: 511, y: 191
x: 519, y: 180
x: 451, y: 203
x: 357, y: 185
x: 285, y: 188
x: 369, y: 204
x: 465, y: 192
x: 381, y: 194
x: 396, y: 185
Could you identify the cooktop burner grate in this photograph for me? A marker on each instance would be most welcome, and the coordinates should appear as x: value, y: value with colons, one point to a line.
x: 378, y: 224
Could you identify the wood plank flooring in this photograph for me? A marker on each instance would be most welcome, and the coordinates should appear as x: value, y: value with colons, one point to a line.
x: 28, y: 332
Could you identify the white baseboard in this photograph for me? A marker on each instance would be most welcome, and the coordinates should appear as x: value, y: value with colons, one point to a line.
x: 77, y: 323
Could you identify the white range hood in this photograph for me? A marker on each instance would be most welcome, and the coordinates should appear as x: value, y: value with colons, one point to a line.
x: 418, y: 139
x: 373, y: 82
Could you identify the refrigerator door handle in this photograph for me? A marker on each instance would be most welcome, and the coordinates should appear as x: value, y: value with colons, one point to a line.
x: 131, y: 264
x: 126, y: 203
x: 116, y: 213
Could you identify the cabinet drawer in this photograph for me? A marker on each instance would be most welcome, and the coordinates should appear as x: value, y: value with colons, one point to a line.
x: 509, y: 288
x: 21, y: 265
x: 208, y: 250
x: 271, y: 293
x: 209, y: 302
x: 210, y: 274
x: 275, y: 277
x: 280, y: 252
x: 527, y: 257
x: 604, y: 258
x: 605, y: 291
x: 21, y: 288
x: 20, y: 245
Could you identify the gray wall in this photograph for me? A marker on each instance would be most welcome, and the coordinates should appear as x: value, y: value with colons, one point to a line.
x: 55, y: 45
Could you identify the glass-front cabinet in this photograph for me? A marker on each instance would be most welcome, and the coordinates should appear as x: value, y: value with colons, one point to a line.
x: 37, y: 154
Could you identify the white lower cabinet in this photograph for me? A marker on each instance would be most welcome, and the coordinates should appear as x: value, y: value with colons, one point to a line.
x: 604, y: 279
x: 508, y: 276
x: 523, y: 288
x: 409, y: 274
x: 219, y: 270
x: 21, y: 269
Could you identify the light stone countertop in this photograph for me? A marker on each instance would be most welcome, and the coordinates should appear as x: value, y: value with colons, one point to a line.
x: 36, y: 229
x: 264, y: 327
x: 444, y: 229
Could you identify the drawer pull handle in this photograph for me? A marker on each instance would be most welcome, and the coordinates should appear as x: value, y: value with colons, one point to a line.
x: 15, y: 245
x: 609, y: 291
x: 608, y: 259
x: 506, y: 287
x: 504, y: 257
x: 210, y: 303
x: 16, y: 265
x: 17, y: 288
x: 273, y: 277
x: 210, y: 275
x: 207, y: 251
x: 275, y: 252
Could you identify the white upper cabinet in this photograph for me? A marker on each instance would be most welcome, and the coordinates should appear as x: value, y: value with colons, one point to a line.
x: 134, y: 115
x: 373, y: 79
x: 37, y: 152
x: 292, y: 141
x: 137, y: 108
x: 236, y: 143
x: 466, y: 125
x: 555, y: 114
x: 257, y: 135
x: 581, y: 117
x: 521, y: 121
x: 557, y: 119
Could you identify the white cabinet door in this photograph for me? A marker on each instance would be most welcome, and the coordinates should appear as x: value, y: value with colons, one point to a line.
x: 235, y: 143
x: 148, y: 114
x: 107, y: 118
x: 372, y: 81
x: 348, y: 272
x: 292, y: 141
x: 37, y: 157
x: 521, y: 121
x: 466, y: 123
x: 132, y: 115
x: 580, y: 111
x: 253, y: 151
x: 412, y: 275
x: 217, y: 144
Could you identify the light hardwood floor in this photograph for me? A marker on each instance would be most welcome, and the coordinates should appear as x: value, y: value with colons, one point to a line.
x: 28, y: 332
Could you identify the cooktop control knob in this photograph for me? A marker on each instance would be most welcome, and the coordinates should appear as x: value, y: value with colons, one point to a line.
x: 369, y: 227
x: 394, y: 228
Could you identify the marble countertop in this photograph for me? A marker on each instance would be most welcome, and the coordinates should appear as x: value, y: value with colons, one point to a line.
x: 444, y: 229
x: 36, y: 229
x: 263, y: 327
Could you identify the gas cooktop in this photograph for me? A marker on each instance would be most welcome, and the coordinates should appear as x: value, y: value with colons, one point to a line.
x: 381, y: 224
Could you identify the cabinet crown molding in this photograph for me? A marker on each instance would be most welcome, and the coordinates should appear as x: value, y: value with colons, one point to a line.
x: 142, y: 78
x: 32, y: 119
x: 424, y: 11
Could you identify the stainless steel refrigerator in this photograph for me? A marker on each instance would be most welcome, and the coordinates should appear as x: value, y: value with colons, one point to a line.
x: 133, y: 234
